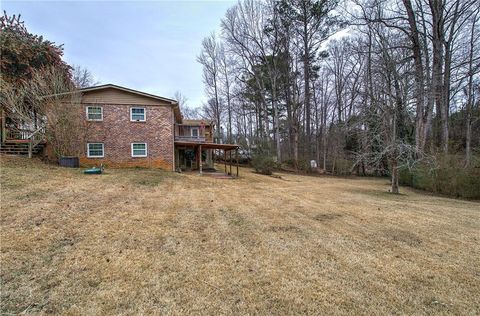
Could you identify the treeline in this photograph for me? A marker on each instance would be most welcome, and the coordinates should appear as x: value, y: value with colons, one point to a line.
x: 361, y: 86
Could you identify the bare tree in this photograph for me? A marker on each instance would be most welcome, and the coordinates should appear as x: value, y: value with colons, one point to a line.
x: 49, y: 102
x: 83, y: 78
x: 395, y: 88
x: 473, y: 69
x: 210, y: 59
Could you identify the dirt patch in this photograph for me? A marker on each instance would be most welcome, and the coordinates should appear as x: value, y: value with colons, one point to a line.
x: 324, y: 217
x: 285, y: 229
x: 403, y: 236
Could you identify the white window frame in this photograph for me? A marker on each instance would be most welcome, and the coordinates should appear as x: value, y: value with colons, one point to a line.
x: 136, y: 156
x: 198, y: 132
x: 88, y: 150
x: 94, y: 106
x: 144, y: 113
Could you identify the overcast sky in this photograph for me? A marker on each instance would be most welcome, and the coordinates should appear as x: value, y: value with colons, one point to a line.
x: 149, y: 46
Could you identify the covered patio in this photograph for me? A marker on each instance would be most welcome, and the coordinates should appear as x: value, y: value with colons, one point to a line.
x: 203, y: 156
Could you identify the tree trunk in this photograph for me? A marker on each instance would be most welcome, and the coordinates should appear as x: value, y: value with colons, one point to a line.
x: 295, y: 147
x: 289, y: 119
x: 394, y: 176
x: 306, y: 77
x: 419, y: 76
x: 276, y: 121
x: 229, y: 111
x: 468, y: 120
x: 441, y: 125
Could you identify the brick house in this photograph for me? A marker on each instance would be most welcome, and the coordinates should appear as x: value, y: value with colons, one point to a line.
x: 130, y: 128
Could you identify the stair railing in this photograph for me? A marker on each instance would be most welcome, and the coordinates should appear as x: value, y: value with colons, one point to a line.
x: 34, y: 139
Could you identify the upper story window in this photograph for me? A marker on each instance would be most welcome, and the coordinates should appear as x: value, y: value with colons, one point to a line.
x: 194, y: 132
x: 95, y: 150
x: 138, y: 114
x: 94, y: 113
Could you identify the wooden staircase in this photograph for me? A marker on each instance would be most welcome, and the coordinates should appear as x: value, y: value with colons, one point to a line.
x: 13, y: 147
x: 27, y: 144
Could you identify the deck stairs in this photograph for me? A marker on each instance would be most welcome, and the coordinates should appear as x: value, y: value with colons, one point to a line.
x: 13, y: 147
x: 27, y: 143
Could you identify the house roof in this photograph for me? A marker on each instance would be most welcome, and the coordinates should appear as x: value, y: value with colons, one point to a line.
x: 114, y: 86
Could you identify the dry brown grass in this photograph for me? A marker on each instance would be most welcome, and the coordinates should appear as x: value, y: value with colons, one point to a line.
x: 150, y: 242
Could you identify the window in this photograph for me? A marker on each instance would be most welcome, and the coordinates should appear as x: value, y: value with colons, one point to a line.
x: 95, y: 150
x: 94, y: 113
x: 194, y: 132
x: 137, y: 114
x: 139, y: 150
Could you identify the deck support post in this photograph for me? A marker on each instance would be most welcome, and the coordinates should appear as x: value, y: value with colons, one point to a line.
x: 225, y: 159
x: 4, y: 130
x: 236, y: 159
x: 230, y: 162
x: 200, y: 158
x: 30, y: 149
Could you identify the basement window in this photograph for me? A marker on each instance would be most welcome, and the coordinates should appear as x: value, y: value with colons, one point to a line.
x: 139, y: 150
x: 95, y: 150
x: 137, y: 114
x: 94, y: 113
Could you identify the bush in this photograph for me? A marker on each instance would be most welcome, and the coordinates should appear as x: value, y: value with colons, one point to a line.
x: 263, y: 164
x: 262, y: 160
x: 303, y: 165
x: 343, y: 166
x: 449, y: 178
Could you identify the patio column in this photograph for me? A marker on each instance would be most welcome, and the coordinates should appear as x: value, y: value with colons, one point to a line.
x: 236, y: 156
x: 225, y: 159
x: 200, y: 158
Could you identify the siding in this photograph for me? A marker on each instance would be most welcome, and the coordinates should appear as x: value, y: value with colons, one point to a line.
x: 115, y: 96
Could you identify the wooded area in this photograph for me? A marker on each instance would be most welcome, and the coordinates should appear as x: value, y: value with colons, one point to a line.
x: 361, y: 86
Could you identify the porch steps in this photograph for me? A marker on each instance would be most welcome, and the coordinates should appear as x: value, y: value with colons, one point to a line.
x: 19, y: 148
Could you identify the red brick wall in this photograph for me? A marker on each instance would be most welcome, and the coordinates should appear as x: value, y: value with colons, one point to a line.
x: 117, y: 132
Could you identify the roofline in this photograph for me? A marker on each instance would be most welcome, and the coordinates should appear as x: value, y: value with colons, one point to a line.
x: 114, y: 86
x: 109, y: 85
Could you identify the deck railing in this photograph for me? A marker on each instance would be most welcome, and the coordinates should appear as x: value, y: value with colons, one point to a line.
x: 18, y: 133
x: 34, y: 139
x: 198, y: 139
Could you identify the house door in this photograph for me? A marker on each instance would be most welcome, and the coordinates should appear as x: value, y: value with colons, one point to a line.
x: 190, y: 158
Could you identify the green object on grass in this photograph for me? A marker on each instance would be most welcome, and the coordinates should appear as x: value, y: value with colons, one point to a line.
x: 94, y: 170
